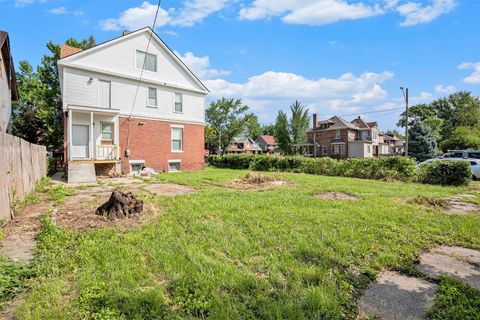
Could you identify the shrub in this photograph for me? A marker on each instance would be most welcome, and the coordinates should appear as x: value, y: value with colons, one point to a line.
x: 51, y: 166
x: 399, y: 168
x: 453, y: 173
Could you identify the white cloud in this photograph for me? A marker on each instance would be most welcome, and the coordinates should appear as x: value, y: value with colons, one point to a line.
x: 170, y: 33
x: 195, y: 11
x: 136, y: 18
x: 24, y: 3
x: 192, y: 12
x: 59, y: 10
x: 268, y: 92
x: 200, y: 66
x: 474, y: 78
x: 445, y: 89
x: 311, y: 12
x: 417, y: 13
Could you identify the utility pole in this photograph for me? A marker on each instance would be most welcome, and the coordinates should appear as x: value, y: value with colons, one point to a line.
x: 405, y: 96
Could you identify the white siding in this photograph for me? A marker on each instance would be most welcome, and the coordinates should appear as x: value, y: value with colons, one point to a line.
x: 78, y: 90
x: 120, y: 58
x: 5, y: 98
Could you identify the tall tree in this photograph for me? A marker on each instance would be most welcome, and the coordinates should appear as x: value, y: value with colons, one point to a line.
x: 462, y: 138
x: 228, y: 117
x: 268, y: 129
x: 282, y: 133
x: 299, y: 122
x: 43, y: 114
x: 253, y: 129
x: 422, y: 144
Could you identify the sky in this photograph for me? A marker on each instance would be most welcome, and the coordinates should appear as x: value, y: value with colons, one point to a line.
x: 337, y: 57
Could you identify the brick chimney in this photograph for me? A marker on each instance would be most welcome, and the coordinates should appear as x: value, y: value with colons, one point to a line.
x: 125, y: 32
x: 314, y: 120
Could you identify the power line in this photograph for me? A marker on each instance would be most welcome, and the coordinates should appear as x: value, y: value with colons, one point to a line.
x: 141, y: 73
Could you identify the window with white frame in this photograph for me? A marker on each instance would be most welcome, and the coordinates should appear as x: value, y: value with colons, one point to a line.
x: 337, y: 134
x: 152, y: 97
x: 107, y: 131
x: 369, y: 149
x: 146, y: 61
x: 177, y: 139
x: 173, y: 166
x: 338, y: 149
x: 178, y: 102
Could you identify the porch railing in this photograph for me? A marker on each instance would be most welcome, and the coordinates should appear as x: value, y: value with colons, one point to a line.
x: 106, y: 152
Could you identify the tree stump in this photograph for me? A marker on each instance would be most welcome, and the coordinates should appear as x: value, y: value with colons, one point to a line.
x: 120, y: 205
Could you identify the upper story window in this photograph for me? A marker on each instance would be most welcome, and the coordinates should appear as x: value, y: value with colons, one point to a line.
x: 152, y: 97
x: 178, y: 102
x: 107, y: 131
x: 337, y: 134
x: 147, y: 61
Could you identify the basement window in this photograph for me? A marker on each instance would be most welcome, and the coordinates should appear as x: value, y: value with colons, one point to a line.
x: 173, y: 166
x: 136, y: 166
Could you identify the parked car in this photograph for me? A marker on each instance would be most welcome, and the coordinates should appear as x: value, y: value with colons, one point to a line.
x: 474, y: 164
x: 462, y: 154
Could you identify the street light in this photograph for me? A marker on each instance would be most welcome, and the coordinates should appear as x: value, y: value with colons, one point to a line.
x: 405, y: 97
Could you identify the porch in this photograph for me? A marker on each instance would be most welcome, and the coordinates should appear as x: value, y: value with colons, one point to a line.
x: 92, y: 135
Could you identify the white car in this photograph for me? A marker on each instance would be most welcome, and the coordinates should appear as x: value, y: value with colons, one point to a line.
x: 474, y: 163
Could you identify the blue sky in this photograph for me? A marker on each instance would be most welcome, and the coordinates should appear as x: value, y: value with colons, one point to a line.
x: 339, y: 57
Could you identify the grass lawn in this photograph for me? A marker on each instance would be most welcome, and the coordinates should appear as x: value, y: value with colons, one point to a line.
x: 222, y: 253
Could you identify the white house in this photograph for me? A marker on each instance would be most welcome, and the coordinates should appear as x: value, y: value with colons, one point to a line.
x: 8, y: 83
x: 130, y: 103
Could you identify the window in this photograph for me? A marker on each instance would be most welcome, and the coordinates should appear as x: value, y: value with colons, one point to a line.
x: 173, y: 166
x: 136, y: 166
x: 149, y: 63
x: 177, y: 139
x: 178, y: 102
x: 338, y: 149
x: 107, y: 131
x: 369, y: 149
x: 337, y: 134
x: 324, y: 150
x: 152, y: 97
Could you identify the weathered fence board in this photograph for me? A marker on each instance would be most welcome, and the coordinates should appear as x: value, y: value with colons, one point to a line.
x: 22, y: 164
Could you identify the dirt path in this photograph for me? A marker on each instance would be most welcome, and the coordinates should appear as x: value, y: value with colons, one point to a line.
x: 397, y: 297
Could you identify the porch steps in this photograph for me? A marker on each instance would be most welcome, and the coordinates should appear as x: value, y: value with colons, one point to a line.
x: 81, y: 173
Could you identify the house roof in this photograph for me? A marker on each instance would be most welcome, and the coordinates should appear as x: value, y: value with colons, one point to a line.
x: 8, y: 64
x: 233, y: 145
x: 66, y: 50
x: 340, y: 123
x: 270, y: 140
x: 132, y: 34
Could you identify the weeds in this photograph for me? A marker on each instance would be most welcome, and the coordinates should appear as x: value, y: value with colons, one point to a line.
x: 13, y: 276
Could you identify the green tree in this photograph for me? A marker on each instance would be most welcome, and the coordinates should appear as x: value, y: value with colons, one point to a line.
x: 422, y: 144
x: 299, y: 122
x: 268, y: 129
x: 463, y: 138
x: 282, y: 133
x: 227, y: 116
x: 253, y: 129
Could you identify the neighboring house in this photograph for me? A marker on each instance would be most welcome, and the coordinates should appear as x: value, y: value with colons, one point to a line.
x: 396, y: 145
x: 8, y: 83
x: 116, y: 122
x: 243, y: 145
x: 339, y: 138
x: 267, y: 144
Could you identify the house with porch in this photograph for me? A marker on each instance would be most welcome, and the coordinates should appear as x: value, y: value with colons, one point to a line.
x: 339, y: 138
x: 243, y: 145
x: 130, y: 103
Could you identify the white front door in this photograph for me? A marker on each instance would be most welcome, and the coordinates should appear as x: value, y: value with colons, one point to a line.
x: 80, y: 138
x: 104, y: 94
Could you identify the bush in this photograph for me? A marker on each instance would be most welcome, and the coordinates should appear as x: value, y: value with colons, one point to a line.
x: 399, y: 168
x: 51, y: 166
x: 453, y: 173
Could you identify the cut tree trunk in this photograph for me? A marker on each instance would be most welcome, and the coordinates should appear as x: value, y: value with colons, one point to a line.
x: 120, y: 205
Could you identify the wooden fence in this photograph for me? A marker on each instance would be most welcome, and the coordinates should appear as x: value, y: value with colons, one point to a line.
x: 22, y: 164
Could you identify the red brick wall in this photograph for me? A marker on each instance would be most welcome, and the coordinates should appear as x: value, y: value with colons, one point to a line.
x: 325, y: 138
x: 151, y: 142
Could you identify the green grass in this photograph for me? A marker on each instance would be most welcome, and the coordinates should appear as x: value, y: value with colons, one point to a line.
x: 12, y: 279
x: 455, y: 300
x: 227, y: 254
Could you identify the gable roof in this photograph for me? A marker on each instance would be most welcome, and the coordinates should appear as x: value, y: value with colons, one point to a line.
x: 66, y: 50
x: 270, y: 140
x: 126, y: 36
x: 9, y: 65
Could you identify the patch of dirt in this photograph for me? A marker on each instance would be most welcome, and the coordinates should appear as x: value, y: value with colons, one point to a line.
x: 397, y: 297
x: 168, y: 189
x: 256, y: 181
x: 430, y: 201
x: 454, y: 205
x: 19, y: 236
x: 335, y: 196
x: 120, y: 181
x: 438, y: 263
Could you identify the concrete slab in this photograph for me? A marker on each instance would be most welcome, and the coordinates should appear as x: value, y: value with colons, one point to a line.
x: 436, y: 264
x: 81, y: 173
x: 465, y: 254
x: 397, y: 297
